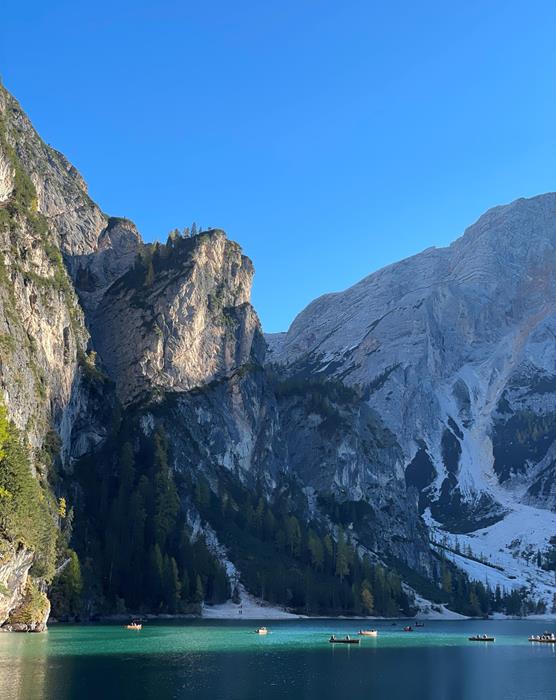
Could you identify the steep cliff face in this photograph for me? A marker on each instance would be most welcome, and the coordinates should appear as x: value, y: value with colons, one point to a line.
x: 178, y: 329
x: 437, y: 339
x: 186, y: 307
x: 41, y: 325
x: 47, y: 225
x: 341, y: 450
x: 51, y: 233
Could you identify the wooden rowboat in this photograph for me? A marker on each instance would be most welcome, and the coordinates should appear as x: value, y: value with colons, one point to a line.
x: 368, y: 633
x: 344, y: 640
x: 134, y: 626
x: 543, y: 638
x: 481, y: 638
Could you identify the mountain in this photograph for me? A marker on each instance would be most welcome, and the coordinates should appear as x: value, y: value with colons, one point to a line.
x: 149, y: 460
x: 158, y: 455
x: 454, y: 350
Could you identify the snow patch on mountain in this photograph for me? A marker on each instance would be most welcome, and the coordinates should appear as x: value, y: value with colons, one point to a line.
x: 508, y: 550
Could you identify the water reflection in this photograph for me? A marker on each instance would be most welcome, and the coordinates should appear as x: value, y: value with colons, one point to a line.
x: 294, y: 662
x: 20, y: 679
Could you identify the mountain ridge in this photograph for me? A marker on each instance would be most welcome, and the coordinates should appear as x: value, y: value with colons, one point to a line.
x: 459, y: 365
x: 178, y: 465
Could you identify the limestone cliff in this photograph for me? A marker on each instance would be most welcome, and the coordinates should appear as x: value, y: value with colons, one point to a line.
x: 51, y: 234
x: 47, y: 225
x: 186, y: 309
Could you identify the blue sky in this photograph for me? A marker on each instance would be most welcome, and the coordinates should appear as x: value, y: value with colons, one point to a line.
x: 328, y: 138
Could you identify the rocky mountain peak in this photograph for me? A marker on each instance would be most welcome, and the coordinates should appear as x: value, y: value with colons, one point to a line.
x: 186, y: 304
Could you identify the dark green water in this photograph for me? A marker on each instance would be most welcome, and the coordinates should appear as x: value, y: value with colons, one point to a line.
x: 225, y: 660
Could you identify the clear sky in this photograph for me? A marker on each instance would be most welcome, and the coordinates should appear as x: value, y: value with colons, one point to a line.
x: 328, y: 138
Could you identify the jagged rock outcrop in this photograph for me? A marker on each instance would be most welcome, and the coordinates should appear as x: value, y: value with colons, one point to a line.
x: 186, y: 311
x: 15, y: 563
x: 93, y: 272
x: 23, y: 608
x: 229, y: 425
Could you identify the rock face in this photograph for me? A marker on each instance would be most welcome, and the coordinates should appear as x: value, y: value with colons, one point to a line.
x: 440, y: 340
x: 14, y: 570
x: 47, y: 219
x: 49, y: 231
x: 23, y: 607
x: 454, y: 350
x: 187, y: 309
x: 93, y: 272
x: 339, y: 448
x: 6, y: 178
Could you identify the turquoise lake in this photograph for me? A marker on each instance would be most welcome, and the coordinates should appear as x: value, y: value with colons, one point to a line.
x: 226, y: 660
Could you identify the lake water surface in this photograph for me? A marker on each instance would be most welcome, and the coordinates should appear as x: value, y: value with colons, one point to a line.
x: 227, y: 661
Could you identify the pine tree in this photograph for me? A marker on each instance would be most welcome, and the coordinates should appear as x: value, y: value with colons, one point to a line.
x: 171, y: 584
x: 367, y: 599
x: 342, y: 565
x: 328, y: 547
x: 199, y: 590
x: 166, y: 501
x: 65, y: 594
x: 156, y: 573
x: 149, y: 272
x: 293, y: 535
x: 316, y: 550
x: 185, y: 586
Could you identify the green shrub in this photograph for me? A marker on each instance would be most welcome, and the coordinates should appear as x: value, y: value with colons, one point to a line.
x: 26, y: 513
x: 33, y: 608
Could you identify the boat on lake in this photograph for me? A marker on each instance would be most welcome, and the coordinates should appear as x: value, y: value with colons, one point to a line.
x: 481, y: 638
x: 343, y: 640
x: 261, y: 630
x: 134, y: 625
x: 545, y: 638
x: 408, y: 629
x: 368, y: 633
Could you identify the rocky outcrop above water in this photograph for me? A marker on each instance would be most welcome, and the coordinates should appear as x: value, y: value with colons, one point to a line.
x: 15, y: 563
